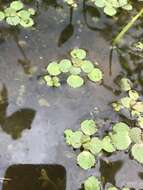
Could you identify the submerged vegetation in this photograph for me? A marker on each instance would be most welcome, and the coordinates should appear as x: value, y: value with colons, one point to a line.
x: 77, y: 69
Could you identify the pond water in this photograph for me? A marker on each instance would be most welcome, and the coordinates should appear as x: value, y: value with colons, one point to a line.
x: 33, y: 117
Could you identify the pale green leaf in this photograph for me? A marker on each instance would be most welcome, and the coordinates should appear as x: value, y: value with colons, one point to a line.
x: 95, y: 75
x: 92, y: 183
x: 88, y: 127
x: 75, y: 81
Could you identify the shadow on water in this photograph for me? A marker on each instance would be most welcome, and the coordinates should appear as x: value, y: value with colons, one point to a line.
x: 109, y: 170
x: 35, y: 177
x: 18, y: 121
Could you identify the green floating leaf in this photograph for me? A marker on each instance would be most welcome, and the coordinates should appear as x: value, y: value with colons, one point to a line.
x: 65, y: 65
x: 76, y: 139
x: 135, y: 135
x: 95, y: 75
x: 24, y: 14
x: 92, y: 183
x: 48, y: 80
x: 52, y: 81
x: 9, y: 12
x: 78, y: 53
x: 68, y: 134
x: 87, y: 66
x: 94, y: 146
x: 121, y: 127
x: 88, y: 127
x: 125, y: 188
x: 137, y: 152
x: 15, y: 20
x: 125, y: 84
x: 77, y: 62
x: 31, y: 11
x: 126, y: 102
x: 121, y: 140
x: 17, y: 5
x: 138, y: 106
x: 112, y: 188
x: 133, y: 94
x: 75, y: 70
x: 53, y: 68
x: 2, y: 16
x: 56, y: 82
x: 100, y: 3
x: 109, y: 10
x: 107, y: 144
x: 86, y: 160
x: 85, y: 139
x: 27, y: 23
x: 75, y: 81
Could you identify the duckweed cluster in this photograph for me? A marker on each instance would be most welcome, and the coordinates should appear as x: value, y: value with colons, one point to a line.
x: 16, y: 14
x: 76, y: 69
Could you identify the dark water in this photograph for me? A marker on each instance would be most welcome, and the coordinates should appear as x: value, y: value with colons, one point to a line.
x: 32, y: 132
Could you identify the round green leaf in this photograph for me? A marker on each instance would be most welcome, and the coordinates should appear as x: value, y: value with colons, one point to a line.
x: 109, y: 10
x: 31, y: 11
x: 65, y: 65
x: 126, y: 102
x: 125, y: 84
x: 75, y: 70
x: 121, y: 126
x: 86, y: 160
x: 56, y: 82
x: 92, y: 183
x: 133, y: 94
x: 88, y: 127
x: 2, y: 16
x: 27, y: 23
x: 24, y: 14
x: 135, y: 135
x: 94, y: 146
x: 9, y: 12
x: 121, y: 140
x: 100, y: 3
x: 87, y: 66
x: 77, y: 62
x: 138, y: 106
x: 112, y: 188
x: 78, y: 53
x: 76, y: 139
x: 75, y: 81
x: 68, y: 134
x: 17, y: 5
x: 137, y: 152
x: 95, y: 75
x: 107, y: 144
x: 53, y: 68
x: 14, y: 20
x: 48, y: 80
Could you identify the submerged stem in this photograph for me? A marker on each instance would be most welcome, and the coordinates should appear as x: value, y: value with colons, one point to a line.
x: 126, y: 28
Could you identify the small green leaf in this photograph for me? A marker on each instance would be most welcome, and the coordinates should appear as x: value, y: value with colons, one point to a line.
x: 77, y: 62
x: 53, y: 68
x: 125, y: 84
x: 86, y: 160
x: 95, y: 75
x: 76, y: 139
x: 112, y: 188
x: 48, y: 80
x: 94, y: 146
x: 56, y: 82
x: 24, y: 14
x: 68, y: 134
x: 87, y: 66
x: 2, y: 16
x: 133, y: 94
x: 92, y: 183
x: 100, y: 3
x: 14, y: 20
x: 75, y: 81
x: 121, y: 126
x: 88, y: 127
x: 109, y: 10
x: 65, y: 65
x: 138, y: 106
x: 17, y: 5
x: 9, y: 12
x: 135, y: 135
x: 137, y: 152
x: 75, y: 70
x: 107, y: 144
x: 78, y: 53
x: 126, y: 102
x: 27, y: 23
x: 121, y: 140
x: 31, y: 11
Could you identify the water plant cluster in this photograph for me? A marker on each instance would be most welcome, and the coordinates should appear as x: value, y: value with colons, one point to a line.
x: 93, y: 183
x: 17, y: 14
x: 131, y: 103
x: 86, y: 139
x: 76, y: 69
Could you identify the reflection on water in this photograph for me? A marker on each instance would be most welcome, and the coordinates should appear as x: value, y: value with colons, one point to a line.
x: 109, y: 170
x: 35, y: 177
x: 18, y: 121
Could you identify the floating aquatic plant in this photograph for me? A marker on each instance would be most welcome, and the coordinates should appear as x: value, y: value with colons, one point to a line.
x: 16, y: 14
x: 131, y: 103
x: 75, y: 69
x: 92, y: 183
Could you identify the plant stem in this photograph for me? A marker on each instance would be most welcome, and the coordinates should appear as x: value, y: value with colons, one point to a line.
x: 126, y: 28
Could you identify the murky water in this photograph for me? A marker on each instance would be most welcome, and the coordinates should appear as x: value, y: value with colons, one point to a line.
x: 32, y: 131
